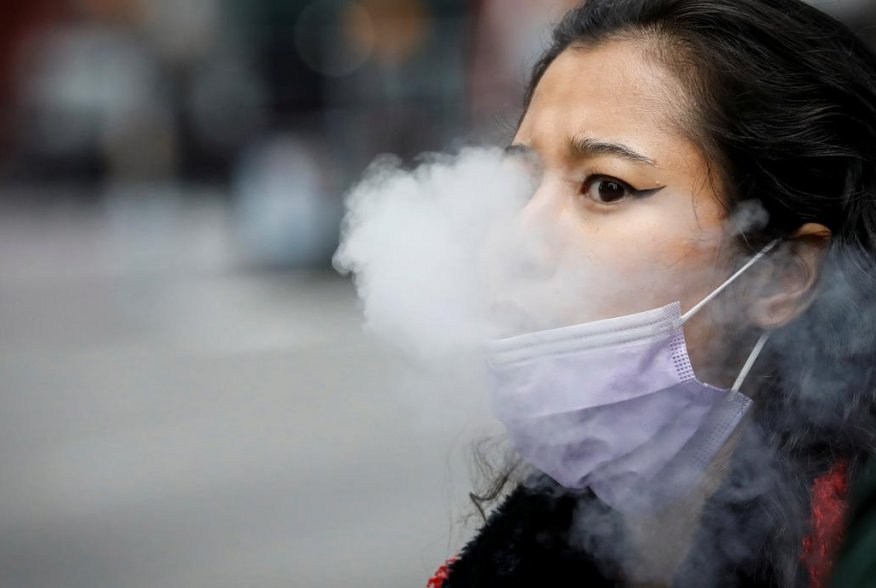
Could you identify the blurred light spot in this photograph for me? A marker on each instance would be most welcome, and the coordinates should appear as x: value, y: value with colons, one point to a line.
x: 84, y: 83
x: 285, y: 214
x: 335, y: 37
x: 400, y: 28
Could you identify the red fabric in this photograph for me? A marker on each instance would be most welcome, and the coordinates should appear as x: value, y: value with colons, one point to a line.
x: 827, y: 524
x: 438, y: 579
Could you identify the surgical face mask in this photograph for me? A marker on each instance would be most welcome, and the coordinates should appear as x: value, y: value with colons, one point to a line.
x: 614, y: 404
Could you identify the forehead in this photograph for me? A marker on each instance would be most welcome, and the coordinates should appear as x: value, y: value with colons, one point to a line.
x: 613, y: 90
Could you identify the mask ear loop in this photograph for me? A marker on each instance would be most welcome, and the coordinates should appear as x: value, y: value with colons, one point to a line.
x: 697, y: 307
x: 758, y: 347
x: 749, y: 363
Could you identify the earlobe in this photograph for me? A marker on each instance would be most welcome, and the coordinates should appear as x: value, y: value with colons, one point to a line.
x: 792, y: 284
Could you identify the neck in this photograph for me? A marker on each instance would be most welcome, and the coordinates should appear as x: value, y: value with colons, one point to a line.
x: 662, y: 541
x: 720, y: 364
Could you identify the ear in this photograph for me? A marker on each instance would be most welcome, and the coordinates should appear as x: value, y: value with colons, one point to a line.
x: 795, y: 272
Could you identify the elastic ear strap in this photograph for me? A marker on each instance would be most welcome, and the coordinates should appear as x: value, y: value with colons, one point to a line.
x: 730, y: 280
x: 749, y: 363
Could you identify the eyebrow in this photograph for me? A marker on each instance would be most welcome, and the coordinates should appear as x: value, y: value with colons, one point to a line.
x: 581, y: 146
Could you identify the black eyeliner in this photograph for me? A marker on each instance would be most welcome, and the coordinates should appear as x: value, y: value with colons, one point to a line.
x: 646, y: 193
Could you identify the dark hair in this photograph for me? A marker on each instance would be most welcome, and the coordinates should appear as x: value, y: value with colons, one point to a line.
x: 782, y: 101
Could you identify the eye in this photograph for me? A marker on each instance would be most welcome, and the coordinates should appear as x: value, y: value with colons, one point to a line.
x: 609, y: 190
x: 606, y: 190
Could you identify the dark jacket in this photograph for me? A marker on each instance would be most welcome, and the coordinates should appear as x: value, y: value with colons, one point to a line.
x: 528, y: 541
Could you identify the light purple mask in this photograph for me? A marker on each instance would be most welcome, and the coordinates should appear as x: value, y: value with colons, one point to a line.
x: 614, y: 404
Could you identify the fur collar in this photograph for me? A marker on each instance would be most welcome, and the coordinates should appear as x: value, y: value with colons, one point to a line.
x: 756, y: 531
x: 527, y: 542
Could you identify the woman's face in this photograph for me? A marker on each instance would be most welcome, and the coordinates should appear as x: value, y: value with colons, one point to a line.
x: 623, y: 197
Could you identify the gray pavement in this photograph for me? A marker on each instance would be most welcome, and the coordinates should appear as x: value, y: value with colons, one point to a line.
x: 169, y: 418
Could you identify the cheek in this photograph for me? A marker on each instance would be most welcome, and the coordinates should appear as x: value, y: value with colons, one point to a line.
x: 593, y: 265
x: 651, y: 256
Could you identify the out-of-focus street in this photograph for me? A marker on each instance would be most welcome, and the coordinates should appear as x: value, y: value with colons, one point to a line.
x: 170, y: 420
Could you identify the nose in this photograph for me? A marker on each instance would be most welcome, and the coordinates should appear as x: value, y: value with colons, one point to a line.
x: 544, y: 207
x: 540, y: 240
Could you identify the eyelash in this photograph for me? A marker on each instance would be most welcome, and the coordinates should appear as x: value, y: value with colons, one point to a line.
x: 588, y: 182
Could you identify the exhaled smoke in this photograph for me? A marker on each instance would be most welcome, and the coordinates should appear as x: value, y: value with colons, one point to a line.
x: 749, y: 216
x: 414, y: 241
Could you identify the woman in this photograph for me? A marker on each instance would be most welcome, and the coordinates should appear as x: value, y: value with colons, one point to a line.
x: 721, y: 151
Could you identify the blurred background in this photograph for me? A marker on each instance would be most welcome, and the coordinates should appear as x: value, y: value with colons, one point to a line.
x: 186, y: 396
